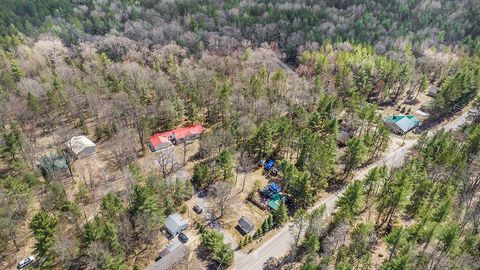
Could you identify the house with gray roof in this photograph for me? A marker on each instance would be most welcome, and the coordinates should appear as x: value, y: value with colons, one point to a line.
x: 170, y: 257
x: 246, y: 225
x: 175, y: 224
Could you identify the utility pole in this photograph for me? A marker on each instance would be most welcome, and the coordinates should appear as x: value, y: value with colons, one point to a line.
x: 223, y: 258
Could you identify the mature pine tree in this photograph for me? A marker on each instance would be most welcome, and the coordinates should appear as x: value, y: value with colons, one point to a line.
x: 351, y: 203
x: 280, y: 216
x: 44, y: 226
x: 354, y: 156
x: 226, y: 164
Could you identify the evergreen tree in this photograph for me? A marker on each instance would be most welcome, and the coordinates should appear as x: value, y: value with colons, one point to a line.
x: 397, y: 241
x: 111, y: 206
x: 13, y: 142
x: 227, y: 165
x: 224, y: 254
x: 271, y: 223
x: 351, y: 203
x: 280, y: 216
x: 355, y: 155
x: 44, y: 226
x: 201, y: 174
x: 373, y: 180
x: 144, y: 206
x: 265, y: 226
x: 312, y: 244
x: 359, y: 249
x: 33, y: 103
x: 395, y: 193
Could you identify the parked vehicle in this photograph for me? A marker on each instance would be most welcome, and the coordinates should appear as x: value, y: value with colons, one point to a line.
x: 25, y: 262
x: 261, y: 163
x: 183, y: 238
x: 275, y: 170
x: 269, y: 164
x: 197, y: 209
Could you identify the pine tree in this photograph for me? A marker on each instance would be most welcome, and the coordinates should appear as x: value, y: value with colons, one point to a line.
x: 312, y: 244
x: 111, y: 206
x: 241, y: 244
x: 44, y: 226
x: 201, y: 174
x: 395, y: 193
x: 13, y: 141
x: 265, y: 226
x: 271, y: 223
x: 224, y: 254
x: 144, y: 205
x: 355, y: 155
x: 280, y: 216
x: 373, y: 180
x: 33, y: 102
x: 226, y: 164
x: 258, y: 233
x: 351, y: 203
x: 396, y: 240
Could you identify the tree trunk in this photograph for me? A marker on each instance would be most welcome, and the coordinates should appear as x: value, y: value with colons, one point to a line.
x: 244, y: 179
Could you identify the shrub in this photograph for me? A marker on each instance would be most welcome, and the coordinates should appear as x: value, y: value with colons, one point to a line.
x: 99, y: 132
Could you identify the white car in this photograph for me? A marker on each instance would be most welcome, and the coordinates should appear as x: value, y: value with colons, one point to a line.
x: 25, y: 262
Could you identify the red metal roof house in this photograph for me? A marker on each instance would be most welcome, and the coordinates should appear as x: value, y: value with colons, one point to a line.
x: 165, y: 139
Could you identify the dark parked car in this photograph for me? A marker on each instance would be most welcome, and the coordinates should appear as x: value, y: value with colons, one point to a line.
x: 183, y: 238
x: 25, y: 262
x: 261, y: 163
x: 197, y: 209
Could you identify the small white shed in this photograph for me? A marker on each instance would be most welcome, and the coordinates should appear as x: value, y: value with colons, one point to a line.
x: 81, y: 146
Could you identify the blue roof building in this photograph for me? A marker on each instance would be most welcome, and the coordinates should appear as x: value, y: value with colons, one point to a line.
x: 271, y: 189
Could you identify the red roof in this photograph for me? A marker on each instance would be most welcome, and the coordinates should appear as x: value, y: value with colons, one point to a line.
x: 180, y: 133
x: 157, y: 140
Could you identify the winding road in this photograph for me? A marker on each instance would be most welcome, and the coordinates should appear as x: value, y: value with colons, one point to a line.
x: 280, y: 244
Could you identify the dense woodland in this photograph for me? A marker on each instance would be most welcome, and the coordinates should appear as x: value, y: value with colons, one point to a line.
x: 119, y: 71
x: 435, y: 192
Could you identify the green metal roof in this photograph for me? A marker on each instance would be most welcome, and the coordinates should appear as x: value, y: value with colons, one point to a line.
x: 274, y: 203
x: 53, y: 161
x: 404, y: 122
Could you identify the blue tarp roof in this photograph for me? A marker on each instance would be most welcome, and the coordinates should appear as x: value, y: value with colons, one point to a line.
x: 274, y: 187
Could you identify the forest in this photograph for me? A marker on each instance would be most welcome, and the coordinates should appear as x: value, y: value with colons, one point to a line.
x: 269, y: 80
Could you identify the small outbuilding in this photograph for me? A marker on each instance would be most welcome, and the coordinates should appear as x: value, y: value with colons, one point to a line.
x: 401, y: 124
x: 170, y: 257
x: 246, y: 225
x: 275, y: 201
x: 81, y: 146
x: 271, y: 190
x: 175, y: 224
x: 52, y: 163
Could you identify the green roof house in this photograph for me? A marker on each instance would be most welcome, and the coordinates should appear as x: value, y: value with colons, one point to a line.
x: 51, y: 163
x: 275, y: 201
x: 401, y: 124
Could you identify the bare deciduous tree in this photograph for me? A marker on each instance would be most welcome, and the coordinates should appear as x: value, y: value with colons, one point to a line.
x: 166, y: 161
x: 220, y: 198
